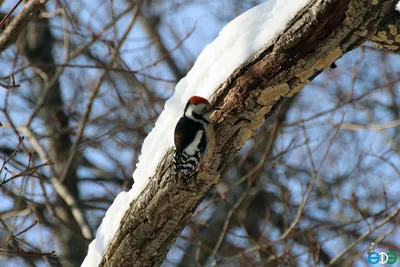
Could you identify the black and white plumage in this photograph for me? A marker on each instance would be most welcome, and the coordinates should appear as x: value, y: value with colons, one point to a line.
x: 192, y: 136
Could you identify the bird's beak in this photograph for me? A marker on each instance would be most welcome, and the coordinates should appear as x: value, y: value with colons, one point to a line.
x: 216, y: 108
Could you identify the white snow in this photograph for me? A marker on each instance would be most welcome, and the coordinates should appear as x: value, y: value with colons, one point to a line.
x: 238, y: 41
x: 398, y: 6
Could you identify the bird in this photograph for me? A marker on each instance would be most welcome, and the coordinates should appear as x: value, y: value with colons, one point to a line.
x: 194, y: 137
x: 371, y: 248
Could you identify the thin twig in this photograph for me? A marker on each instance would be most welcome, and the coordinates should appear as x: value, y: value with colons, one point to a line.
x: 9, y: 13
x: 60, y: 188
x: 12, y: 86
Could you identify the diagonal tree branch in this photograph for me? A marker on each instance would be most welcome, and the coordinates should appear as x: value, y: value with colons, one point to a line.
x: 13, y: 30
x: 316, y: 37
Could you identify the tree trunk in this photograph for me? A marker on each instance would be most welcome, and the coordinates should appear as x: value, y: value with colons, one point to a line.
x: 319, y: 34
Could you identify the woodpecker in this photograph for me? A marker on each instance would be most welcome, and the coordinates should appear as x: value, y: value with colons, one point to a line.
x: 194, y: 136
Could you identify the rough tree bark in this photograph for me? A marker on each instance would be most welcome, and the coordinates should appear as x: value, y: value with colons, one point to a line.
x: 319, y: 34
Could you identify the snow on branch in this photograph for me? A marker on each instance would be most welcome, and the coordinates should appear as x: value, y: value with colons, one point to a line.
x: 212, y: 68
x: 260, y: 59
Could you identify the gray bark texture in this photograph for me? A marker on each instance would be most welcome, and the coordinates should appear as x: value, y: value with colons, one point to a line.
x: 318, y: 35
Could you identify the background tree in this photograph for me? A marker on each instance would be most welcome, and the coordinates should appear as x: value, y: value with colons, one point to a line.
x: 94, y: 78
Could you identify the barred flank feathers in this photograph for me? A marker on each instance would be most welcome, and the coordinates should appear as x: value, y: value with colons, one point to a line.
x: 186, y: 164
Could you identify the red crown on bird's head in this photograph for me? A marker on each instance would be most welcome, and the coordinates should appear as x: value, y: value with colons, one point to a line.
x: 195, y: 100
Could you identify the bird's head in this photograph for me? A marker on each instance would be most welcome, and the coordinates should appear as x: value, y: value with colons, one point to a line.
x: 198, y: 108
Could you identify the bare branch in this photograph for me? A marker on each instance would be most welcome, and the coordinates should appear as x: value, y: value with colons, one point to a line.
x: 12, y: 31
